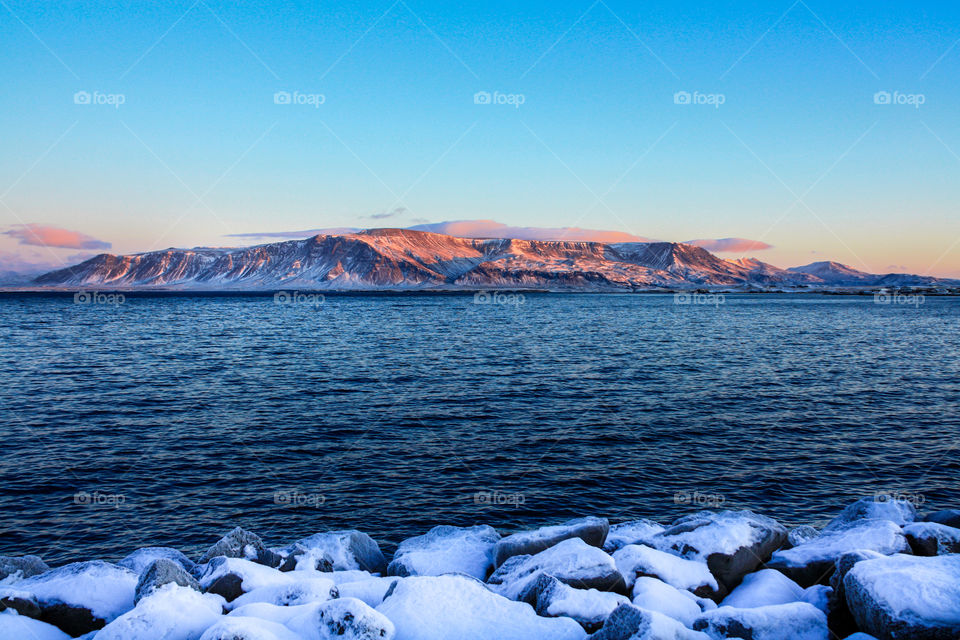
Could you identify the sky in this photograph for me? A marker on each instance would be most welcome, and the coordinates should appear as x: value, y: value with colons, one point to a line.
x: 825, y: 131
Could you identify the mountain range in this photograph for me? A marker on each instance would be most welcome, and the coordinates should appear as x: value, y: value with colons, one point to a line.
x: 402, y: 259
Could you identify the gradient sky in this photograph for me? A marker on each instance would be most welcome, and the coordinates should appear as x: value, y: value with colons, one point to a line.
x: 799, y: 155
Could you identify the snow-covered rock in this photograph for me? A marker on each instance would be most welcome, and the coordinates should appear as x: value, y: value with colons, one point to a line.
x: 460, y: 608
x: 814, y: 561
x: 949, y: 517
x: 593, y: 531
x: 655, y: 595
x: 241, y: 628
x: 796, y: 621
x: 860, y: 636
x: 293, y: 554
x: 143, y: 558
x: 445, y: 549
x: 14, y: 568
x: 371, y: 591
x: 763, y: 588
x: 843, y: 565
x: 302, y: 591
x: 240, y: 543
x: 348, y: 549
x: 160, y: 572
x: 17, y: 627
x: 232, y: 577
x: 874, y: 508
x: 801, y: 534
x: 905, y: 596
x: 552, y: 598
x: 170, y: 612
x: 628, y: 622
x: 732, y: 543
x: 572, y: 561
x: 635, y: 560
x: 342, y: 619
x: 632, y: 532
x: 82, y: 596
x: 932, y: 538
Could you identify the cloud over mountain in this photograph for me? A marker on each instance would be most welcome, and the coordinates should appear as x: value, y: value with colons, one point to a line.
x: 40, y: 235
x: 730, y: 245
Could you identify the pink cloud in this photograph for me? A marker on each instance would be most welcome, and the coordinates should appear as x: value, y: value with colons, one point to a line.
x: 730, y: 245
x: 46, y: 236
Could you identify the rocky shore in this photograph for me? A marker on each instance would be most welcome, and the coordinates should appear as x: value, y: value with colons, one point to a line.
x: 877, y: 570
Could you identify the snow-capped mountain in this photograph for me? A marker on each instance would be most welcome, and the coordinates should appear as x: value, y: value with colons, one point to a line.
x: 389, y: 259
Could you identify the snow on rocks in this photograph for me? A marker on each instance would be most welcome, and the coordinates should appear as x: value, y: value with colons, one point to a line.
x: 289, y: 594
x: 763, y: 588
x: 17, y: 627
x: 631, y: 532
x: 242, y: 628
x: 635, y: 560
x: 881, y: 507
x: 17, y: 568
x: 552, y: 598
x: 160, y: 572
x: 796, y: 621
x: 732, y: 543
x: 233, y: 577
x: 445, y: 549
x: 143, y: 558
x: 572, y: 561
x: 240, y: 543
x: 82, y: 596
x: 905, y: 596
x: 344, y: 619
x: 949, y: 517
x: 655, y: 595
x: 591, y: 530
x: 812, y: 562
x: 372, y: 590
x: 171, y: 612
x: 801, y: 534
x: 460, y: 608
x: 932, y: 539
x: 349, y: 549
x: 628, y: 622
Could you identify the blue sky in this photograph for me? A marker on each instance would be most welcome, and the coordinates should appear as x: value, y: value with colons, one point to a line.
x: 799, y: 154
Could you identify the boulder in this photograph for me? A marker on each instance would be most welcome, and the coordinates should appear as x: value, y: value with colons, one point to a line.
x: 654, y: 595
x: 572, y: 561
x: 843, y: 565
x: 169, y: 612
x: 906, y: 596
x: 801, y: 534
x: 632, y: 532
x: 628, y: 622
x: 245, y: 628
x: 16, y: 627
x: 763, y: 588
x: 82, y: 596
x: 732, y: 543
x: 20, y: 567
x: 140, y: 559
x: 311, y: 561
x: 371, y: 591
x: 240, y: 543
x: 593, y: 531
x: 445, y: 549
x: 232, y: 577
x: 342, y: 619
x: 23, y: 602
x: 932, y: 539
x: 813, y: 562
x: 949, y: 517
x: 552, y: 598
x: 349, y: 549
x: 881, y: 507
x: 796, y: 621
x: 302, y: 591
x: 453, y: 607
x: 160, y: 572
x: 635, y: 560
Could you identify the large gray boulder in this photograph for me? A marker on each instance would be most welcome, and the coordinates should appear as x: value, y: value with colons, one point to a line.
x: 732, y: 543
x: 21, y: 566
x: 879, y: 507
x: 905, y: 596
x: 160, y: 572
x: 796, y: 621
x: 552, y: 598
x: 445, y: 549
x: 813, y: 562
x: 572, y: 561
x: 240, y: 543
x: 628, y: 622
x: 348, y: 549
x: 140, y: 559
x: 949, y: 517
x: 637, y: 560
x: 932, y: 539
x: 593, y: 531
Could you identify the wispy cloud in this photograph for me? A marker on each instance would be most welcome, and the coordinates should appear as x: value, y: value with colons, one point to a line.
x: 730, y: 245
x: 40, y: 235
x: 399, y: 211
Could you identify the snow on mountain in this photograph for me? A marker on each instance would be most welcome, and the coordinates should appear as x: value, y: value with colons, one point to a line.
x: 388, y: 259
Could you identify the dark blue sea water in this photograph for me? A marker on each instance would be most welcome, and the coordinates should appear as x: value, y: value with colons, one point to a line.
x: 170, y: 419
